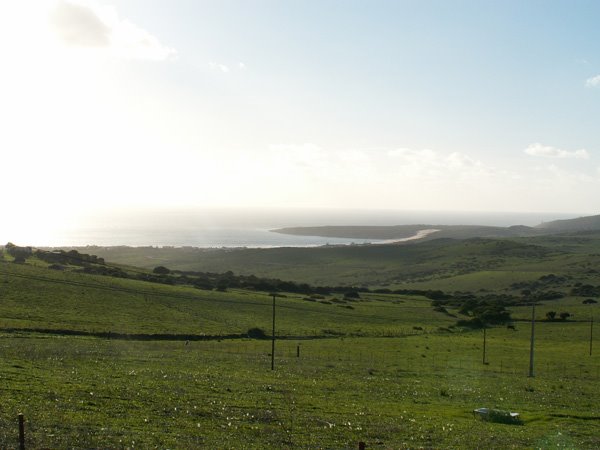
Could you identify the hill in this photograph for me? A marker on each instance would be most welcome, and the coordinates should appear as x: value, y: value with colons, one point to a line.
x: 587, y: 223
x: 401, y: 232
x: 364, y: 265
x: 96, y: 358
x: 74, y: 300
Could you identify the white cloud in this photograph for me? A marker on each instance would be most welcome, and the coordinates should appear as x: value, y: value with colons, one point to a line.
x: 92, y: 25
x: 547, y: 151
x: 218, y: 66
x: 78, y: 25
x: 412, y: 155
x: 431, y: 164
x: 224, y: 68
x: 462, y: 161
x: 593, y: 81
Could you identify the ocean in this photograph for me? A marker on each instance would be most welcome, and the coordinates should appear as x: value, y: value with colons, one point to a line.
x: 244, y: 227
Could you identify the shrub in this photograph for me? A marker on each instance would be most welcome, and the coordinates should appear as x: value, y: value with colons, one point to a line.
x: 256, y: 333
x: 161, y: 270
x: 20, y: 254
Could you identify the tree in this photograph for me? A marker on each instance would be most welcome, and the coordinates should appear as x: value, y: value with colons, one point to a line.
x: 256, y: 333
x: 161, y: 270
x: 551, y: 315
x: 222, y: 285
x: 19, y: 253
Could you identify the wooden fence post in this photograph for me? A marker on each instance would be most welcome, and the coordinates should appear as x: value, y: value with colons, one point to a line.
x: 21, y: 432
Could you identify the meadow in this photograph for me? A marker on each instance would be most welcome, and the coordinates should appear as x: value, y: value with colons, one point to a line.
x: 411, y: 392
x: 181, y: 372
x: 443, y: 262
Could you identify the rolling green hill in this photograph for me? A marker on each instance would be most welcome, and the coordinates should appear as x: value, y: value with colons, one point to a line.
x: 98, y: 361
x: 448, y: 263
x: 176, y: 370
x: 588, y: 223
x: 407, y: 231
x: 36, y: 297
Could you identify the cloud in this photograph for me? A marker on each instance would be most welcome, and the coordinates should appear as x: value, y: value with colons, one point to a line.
x: 462, y: 161
x: 224, y: 68
x: 218, y: 66
x: 429, y: 164
x: 91, y: 25
x: 79, y: 25
x: 546, y: 151
x: 593, y: 81
x: 411, y: 155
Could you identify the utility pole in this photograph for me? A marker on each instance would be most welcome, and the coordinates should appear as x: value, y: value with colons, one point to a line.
x: 591, y: 332
x: 531, y: 372
x: 484, y: 328
x: 273, y: 338
x: 6, y: 267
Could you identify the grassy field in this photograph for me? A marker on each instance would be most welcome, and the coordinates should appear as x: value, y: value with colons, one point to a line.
x: 410, y: 392
x: 387, y: 371
x: 444, y: 263
x: 35, y: 297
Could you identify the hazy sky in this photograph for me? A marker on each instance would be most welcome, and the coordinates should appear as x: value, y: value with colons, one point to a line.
x: 433, y: 105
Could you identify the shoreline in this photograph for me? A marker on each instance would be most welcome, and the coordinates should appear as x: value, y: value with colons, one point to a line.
x: 418, y: 235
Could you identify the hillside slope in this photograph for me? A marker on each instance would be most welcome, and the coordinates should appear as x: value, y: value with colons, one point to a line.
x: 34, y: 297
x: 372, y: 265
x: 587, y: 223
x: 406, y: 231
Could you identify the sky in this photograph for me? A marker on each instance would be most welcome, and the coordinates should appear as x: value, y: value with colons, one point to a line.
x: 404, y: 105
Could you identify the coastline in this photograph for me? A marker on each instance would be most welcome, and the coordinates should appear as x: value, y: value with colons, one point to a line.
x: 418, y: 235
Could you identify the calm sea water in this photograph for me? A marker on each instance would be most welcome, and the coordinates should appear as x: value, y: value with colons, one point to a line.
x: 248, y: 228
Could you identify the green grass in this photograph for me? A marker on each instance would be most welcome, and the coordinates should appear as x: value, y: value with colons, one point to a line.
x: 34, y: 297
x: 381, y: 381
x: 444, y: 263
x: 412, y: 392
